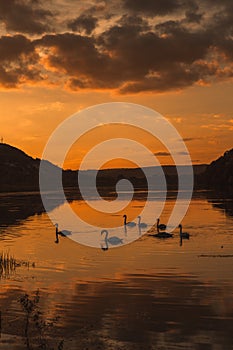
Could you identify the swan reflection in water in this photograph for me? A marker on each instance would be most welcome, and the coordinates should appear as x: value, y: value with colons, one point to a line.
x: 162, y: 235
x: 139, y: 231
x: 110, y: 240
x: 104, y: 247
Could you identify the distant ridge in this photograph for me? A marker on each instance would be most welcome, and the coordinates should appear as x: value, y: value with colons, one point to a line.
x: 20, y: 172
x: 220, y: 173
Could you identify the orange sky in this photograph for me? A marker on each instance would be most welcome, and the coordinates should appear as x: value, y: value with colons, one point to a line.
x: 173, y: 57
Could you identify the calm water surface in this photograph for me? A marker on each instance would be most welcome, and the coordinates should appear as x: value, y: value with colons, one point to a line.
x: 150, y: 294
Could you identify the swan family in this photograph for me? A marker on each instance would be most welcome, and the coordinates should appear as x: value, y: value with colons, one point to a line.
x: 133, y: 224
x: 114, y: 240
x: 161, y: 233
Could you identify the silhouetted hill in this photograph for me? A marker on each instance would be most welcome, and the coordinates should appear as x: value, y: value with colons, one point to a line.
x: 20, y: 172
x: 219, y: 174
x: 137, y: 176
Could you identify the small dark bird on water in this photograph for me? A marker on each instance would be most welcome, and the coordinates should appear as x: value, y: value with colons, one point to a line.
x: 185, y: 235
x: 161, y: 227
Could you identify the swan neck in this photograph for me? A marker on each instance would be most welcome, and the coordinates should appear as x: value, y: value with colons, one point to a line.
x: 106, y: 235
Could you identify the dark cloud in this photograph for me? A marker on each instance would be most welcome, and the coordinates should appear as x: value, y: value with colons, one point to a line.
x: 140, y: 50
x: 86, y: 23
x: 188, y: 139
x: 162, y: 154
x: 134, y: 21
x: 12, y: 47
x: 193, y: 17
x: 132, y: 58
x: 152, y: 7
x: 221, y: 28
x: 177, y: 76
x: 78, y: 57
x: 24, y: 16
x: 215, y: 3
x: 17, y: 61
x: 152, y: 50
x: 150, y: 61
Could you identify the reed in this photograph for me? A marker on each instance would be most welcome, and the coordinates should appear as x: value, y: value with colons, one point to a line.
x: 7, y: 263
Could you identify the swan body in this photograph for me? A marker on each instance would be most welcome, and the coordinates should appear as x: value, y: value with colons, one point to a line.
x: 130, y: 223
x: 185, y: 235
x: 141, y: 224
x: 161, y: 227
x: 111, y: 240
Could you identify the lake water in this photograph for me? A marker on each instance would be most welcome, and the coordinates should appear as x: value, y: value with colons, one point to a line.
x: 149, y: 294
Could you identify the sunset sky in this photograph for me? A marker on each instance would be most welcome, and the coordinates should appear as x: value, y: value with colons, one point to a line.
x: 175, y: 56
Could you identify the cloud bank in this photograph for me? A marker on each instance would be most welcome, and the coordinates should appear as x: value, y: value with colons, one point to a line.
x: 128, y: 46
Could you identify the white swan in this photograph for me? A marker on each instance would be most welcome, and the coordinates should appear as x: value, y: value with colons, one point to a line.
x: 183, y: 234
x: 161, y: 227
x: 130, y: 223
x: 141, y: 224
x: 111, y: 240
x: 62, y: 233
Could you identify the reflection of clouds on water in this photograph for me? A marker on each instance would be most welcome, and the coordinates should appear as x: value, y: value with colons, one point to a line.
x: 158, y: 303
x: 98, y: 313
x: 152, y: 292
